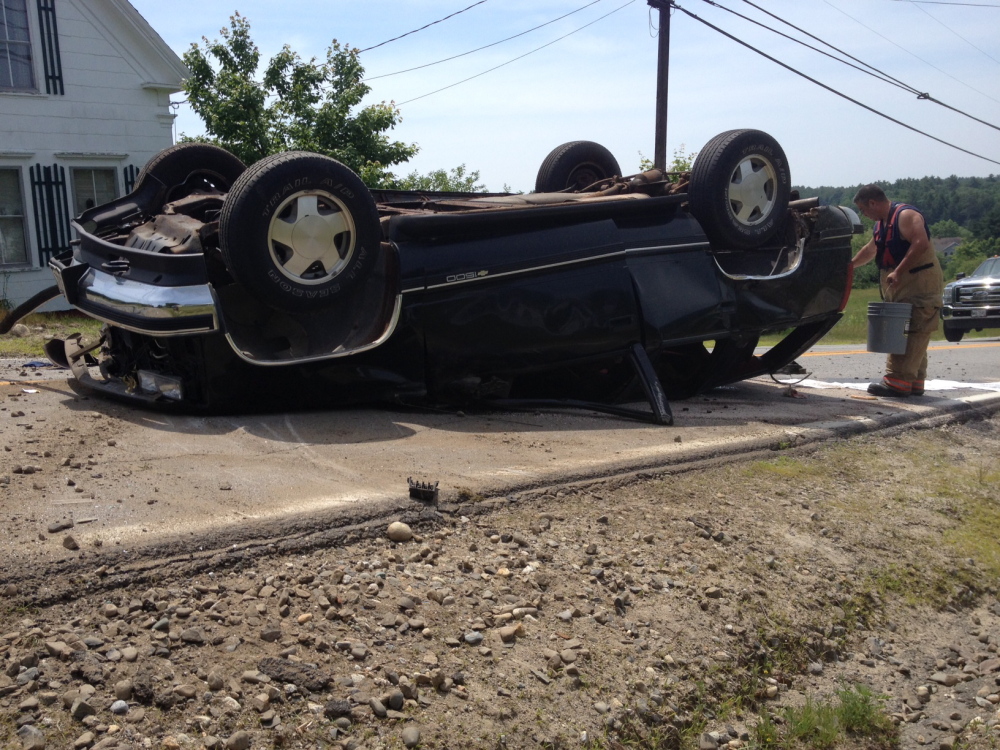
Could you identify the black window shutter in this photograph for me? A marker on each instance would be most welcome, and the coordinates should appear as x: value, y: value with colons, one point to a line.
x: 50, y: 47
x: 130, y: 173
x: 48, y: 192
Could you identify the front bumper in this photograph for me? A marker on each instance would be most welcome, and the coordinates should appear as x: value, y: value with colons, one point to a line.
x: 137, y: 306
x: 970, y: 318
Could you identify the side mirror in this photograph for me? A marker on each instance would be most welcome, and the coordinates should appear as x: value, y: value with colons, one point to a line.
x: 959, y: 275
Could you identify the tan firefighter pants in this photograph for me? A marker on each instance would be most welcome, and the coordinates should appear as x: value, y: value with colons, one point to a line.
x: 923, y: 291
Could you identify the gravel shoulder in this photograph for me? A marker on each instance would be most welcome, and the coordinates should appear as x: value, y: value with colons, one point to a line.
x: 682, y: 603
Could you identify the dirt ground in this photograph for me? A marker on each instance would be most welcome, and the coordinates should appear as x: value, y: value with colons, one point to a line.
x: 658, y: 609
x: 129, y: 477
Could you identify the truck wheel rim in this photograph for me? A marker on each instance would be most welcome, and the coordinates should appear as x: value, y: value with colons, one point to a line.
x: 753, y: 190
x: 311, y: 237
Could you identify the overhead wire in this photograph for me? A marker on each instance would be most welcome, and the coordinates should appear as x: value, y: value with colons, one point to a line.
x: 941, y: 2
x: 836, y: 49
x: 863, y: 67
x: 942, y: 23
x: 909, y: 52
x: 485, y: 46
x: 867, y: 69
x: 829, y: 88
x: 427, y: 26
x: 519, y: 57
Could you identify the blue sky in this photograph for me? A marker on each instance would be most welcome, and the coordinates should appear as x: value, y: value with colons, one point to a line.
x: 600, y: 83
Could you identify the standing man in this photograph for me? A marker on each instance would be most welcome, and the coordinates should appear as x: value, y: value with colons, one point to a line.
x: 908, y: 272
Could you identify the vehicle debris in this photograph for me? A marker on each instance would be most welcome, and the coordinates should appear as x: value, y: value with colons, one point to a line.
x: 424, y: 491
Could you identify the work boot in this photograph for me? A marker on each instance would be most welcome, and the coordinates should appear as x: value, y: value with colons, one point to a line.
x: 918, y: 388
x: 881, y: 389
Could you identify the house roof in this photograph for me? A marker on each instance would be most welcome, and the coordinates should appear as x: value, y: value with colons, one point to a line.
x: 125, y: 28
x: 946, y: 241
x: 942, y: 244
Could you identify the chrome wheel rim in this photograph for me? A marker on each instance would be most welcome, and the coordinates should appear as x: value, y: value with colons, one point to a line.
x: 753, y: 190
x: 311, y: 237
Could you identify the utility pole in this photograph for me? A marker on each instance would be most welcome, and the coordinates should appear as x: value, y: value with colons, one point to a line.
x: 662, y: 69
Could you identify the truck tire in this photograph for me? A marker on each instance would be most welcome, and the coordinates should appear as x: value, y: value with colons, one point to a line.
x: 182, y: 168
x: 574, y: 166
x: 298, y: 230
x: 739, y: 189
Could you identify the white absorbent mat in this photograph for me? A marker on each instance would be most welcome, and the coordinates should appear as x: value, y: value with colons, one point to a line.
x: 929, y: 385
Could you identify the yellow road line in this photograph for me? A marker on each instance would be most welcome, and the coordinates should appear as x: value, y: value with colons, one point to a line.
x: 965, y: 346
x: 830, y: 354
x: 940, y: 348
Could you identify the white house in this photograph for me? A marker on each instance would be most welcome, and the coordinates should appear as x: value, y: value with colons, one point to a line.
x: 84, y: 102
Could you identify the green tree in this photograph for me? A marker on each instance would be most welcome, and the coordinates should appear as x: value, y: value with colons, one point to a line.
x: 295, y: 105
x: 457, y: 181
x: 989, y: 225
x: 937, y: 198
x: 969, y: 255
x: 682, y: 161
x: 950, y: 228
x: 866, y: 276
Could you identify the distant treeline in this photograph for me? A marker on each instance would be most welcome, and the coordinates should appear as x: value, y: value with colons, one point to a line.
x: 971, y: 202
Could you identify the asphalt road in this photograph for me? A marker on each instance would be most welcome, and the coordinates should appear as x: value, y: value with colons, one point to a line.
x: 971, y: 361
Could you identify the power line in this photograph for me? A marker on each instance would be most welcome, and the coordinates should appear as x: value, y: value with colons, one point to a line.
x: 941, y: 2
x: 519, y: 57
x: 395, y: 38
x: 876, y: 71
x: 872, y: 70
x: 487, y: 46
x: 862, y: 66
x: 912, y: 54
x: 956, y: 33
x: 829, y: 88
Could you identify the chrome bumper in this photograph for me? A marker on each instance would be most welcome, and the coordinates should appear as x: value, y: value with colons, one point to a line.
x: 135, y: 306
x: 949, y: 312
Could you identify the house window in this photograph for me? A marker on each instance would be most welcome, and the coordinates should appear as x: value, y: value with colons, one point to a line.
x: 15, y: 47
x: 13, y: 247
x: 92, y: 187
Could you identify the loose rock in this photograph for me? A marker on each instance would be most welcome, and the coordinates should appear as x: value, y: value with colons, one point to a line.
x: 400, y: 532
x: 410, y: 737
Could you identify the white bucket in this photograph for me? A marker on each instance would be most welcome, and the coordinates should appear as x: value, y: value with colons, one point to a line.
x: 888, y: 324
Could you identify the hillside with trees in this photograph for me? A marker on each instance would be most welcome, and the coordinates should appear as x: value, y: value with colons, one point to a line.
x: 966, y: 207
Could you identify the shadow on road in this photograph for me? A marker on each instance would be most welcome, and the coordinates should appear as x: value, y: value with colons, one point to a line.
x: 734, y: 406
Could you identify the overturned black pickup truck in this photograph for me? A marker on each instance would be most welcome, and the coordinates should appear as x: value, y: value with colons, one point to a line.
x: 289, y: 284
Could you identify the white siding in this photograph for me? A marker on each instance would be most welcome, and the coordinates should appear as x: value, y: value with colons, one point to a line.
x: 112, y: 113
